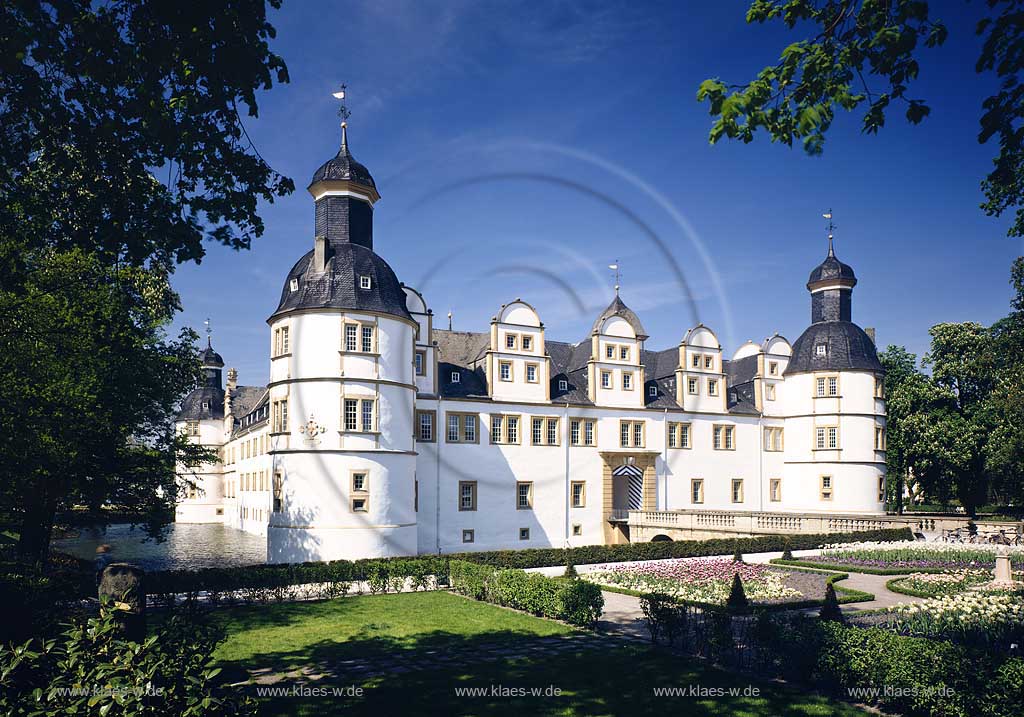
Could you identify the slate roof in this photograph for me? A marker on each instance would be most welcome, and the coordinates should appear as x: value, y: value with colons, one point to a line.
x: 831, y: 268
x: 337, y: 287
x: 462, y: 351
x: 343, y: 166
x: 192, y: 405
x: 209, y: 357
x: 849, y: 348
x: 244, y: 399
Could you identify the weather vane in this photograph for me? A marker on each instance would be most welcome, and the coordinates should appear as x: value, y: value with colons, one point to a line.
x: 615, y: 267
x: 209, y: 332
x: 831, y: 227
x: 343, y: 112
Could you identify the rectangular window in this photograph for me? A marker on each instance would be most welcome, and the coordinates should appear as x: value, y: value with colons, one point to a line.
x: 531, y: 373
x: 627, y: 380
x: 697, y: 490
x: 574, y: 431
x: 773, y: 439
x: 833, y: 437
x: 544, y: 431
x: 624, y: 353
x: 606, y: 379
x: 282, y: 343
x: 524, y: 495
x: 588, y: 433
x: 468, y: 536
x: 775, y: 490
x: 552, y: 431
x: 737, y: 490
x: 527, y: 343
x: 833, y: 385
x: 537, y: 431
x: 631, y: 434
x: 192, y: 428
x: 652, y: 391
x: 773, y: 368
x: 364, y: 282
x: 881, y: 489
x: 280, y: 419
x: 691, y: 386
x: 367, y: 336
x: 454, y: 428
x: 769, y: 391
x: 469, y: 428
x: 577, y: 529
x: 879, y: 438
x: 504, y: 429
x: 421, y: 359
x: 723, y: 438
x: 359, y: 505
x: 351, y: 337
x: 524, y: 533
x: 678, y: 435
x: 709, y: 362
x: 879, y: 388
x: 609, y: 351
x: 505, y: 370
x: 712, y: 386
x: 511, y: 341
x: 351, y: 414
x: 425, y: 426
x: 367, y: 415
x: 579, y: 494
x: 467, y: 495
x: 819, y: 439
x: 360, y: 488
x: 819, y: 386
x: 696, y: 360
x: 826, y: 487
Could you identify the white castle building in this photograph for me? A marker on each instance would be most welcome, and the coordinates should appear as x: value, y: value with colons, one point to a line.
x: 380, y: 434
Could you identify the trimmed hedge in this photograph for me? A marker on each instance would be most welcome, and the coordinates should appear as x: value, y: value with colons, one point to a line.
x: 419, y: 569
x: 574, y: 601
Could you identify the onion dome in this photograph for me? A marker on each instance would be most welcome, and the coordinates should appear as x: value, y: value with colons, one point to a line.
x: 832, y: 270
x: 618, y: 308
x: 344, y: 167
x: 209, y: 357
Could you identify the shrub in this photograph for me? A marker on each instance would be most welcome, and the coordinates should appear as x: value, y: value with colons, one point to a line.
x: 830, y: 608
x: 665, y: 616
x: 574, y: 601
x: 737, y: 556
x: 787, y: 550
x: 737, y: 600
x: 570, y: 571
x: 169, y: 673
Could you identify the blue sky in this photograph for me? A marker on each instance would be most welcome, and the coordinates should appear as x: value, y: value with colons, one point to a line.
x: 520, y: 148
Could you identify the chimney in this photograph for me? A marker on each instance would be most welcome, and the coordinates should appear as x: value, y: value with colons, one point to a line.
x: 319, y: 254
x: 870, y: 331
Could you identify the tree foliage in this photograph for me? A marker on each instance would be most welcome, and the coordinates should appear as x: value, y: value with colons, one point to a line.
x: 864, y: 55
x: 122, y: 149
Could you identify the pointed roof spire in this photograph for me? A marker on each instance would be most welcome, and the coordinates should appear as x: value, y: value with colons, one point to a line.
x: 831, y: 227
x: 618, y: 275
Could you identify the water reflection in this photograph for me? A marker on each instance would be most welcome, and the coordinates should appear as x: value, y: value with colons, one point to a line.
x: 187, y: 546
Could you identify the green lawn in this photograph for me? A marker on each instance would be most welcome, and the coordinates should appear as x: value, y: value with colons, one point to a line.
x: 618, y: 678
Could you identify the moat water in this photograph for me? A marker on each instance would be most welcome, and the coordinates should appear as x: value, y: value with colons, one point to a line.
x: 184, y: 547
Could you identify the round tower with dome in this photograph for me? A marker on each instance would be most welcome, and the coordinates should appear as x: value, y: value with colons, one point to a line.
x: 834, y: 407
x: 201, y: 420
x: 341, y: 387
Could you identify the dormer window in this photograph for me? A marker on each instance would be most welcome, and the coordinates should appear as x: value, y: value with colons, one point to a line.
x: 527, y: 343
x: 293, y: 285
x: 206, y: 405
x: 510, y: 341
x: 364, y: 282
x: 773, y: 368
x: 624, y: 353
x: 821, y: 350
x: 456, y: 377
x: 563, y: 385
x: 652, y: 391
x: 709, y: 361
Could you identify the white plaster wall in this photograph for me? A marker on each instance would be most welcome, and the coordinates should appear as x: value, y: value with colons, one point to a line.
x: 208, y: 477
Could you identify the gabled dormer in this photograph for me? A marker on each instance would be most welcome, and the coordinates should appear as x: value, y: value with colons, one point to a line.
x: 615, y: 373
x: 700, y: 378
x: 517, y: 365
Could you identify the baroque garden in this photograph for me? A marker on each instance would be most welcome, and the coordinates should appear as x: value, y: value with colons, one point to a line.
x: 405, y: 518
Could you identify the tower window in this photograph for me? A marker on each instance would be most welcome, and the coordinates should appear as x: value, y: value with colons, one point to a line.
x: 206, y: 404
x: 505, y: 370
x: 820, y: 350
x: 773, y: 368
x: 364, y: 282
x: 691, y: 385
x: 293, y: 285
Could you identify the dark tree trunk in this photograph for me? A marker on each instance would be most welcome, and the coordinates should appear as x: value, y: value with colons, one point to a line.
x: 36, y: 529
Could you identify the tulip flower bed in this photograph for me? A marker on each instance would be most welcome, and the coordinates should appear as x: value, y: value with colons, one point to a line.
x: 949, y: 582
x: 986, y: 619
x: 898, y: 558
x: 697, y: 580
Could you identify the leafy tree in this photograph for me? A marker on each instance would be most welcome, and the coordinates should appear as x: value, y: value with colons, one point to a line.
x: 122, y: 147
x: 863, y: 55
x: 1004, y: 449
